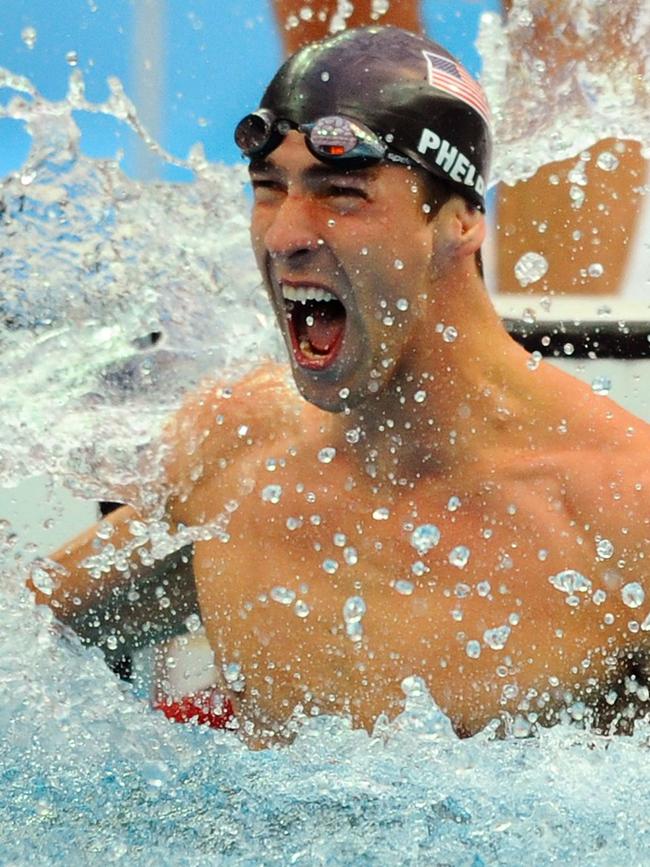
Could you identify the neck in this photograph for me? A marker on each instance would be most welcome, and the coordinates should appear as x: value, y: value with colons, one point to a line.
x: 451, y: 403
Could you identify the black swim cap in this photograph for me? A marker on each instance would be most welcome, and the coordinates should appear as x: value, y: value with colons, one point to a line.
x: 408, y: 89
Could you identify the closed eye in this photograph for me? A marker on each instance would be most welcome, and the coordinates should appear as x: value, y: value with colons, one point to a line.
x: 355, y: 192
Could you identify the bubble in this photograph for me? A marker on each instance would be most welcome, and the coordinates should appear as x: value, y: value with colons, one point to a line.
x: 425, y: 537
x: 449, y: 334
x: 570, y: 581
x: 282, y: 595
x: 404, y: 587
x: 420, y: 396
x: 399, y: 265
x: 419, y: 568
x: 301, y: 609
x: 294, y: 523
x: 601, y: 385
x: 402, y: 304
x: 353, y: 435
x: 577, y: 196
x: 344, y: 392
x: 632, y: 594
x: 473, y: 649
x: 604, y: 549
x: 327, y: 455
x: 599, y: 597
x: 483, y: 588
x: 607, y: 161
x: 271, y: 493
x: 595, y: 270
x: 330, y: 566
x: 454, y: 503
x: 459, y: 556
x: 111, y: 642
x: 339, y: 539
x: 530, y: 268
x: 496, y: 638
x: 381, y: 514
x: 350, y: 556
x: 28, y: 35
x: 568, y: 349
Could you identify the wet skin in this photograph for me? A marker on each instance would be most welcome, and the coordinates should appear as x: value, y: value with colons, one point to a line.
x: 542, y: 468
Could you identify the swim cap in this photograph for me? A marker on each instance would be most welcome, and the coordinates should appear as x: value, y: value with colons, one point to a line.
x: 408, y: 89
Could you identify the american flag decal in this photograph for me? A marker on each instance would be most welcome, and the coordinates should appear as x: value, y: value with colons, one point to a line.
x: 452, y: 78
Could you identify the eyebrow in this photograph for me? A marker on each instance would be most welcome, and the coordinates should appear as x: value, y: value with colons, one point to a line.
x: 315, y: 172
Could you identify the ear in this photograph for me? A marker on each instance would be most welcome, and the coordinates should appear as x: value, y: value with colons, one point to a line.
x: 462, y: 226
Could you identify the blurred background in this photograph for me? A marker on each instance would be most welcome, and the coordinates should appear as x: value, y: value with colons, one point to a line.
x: 193, y: 68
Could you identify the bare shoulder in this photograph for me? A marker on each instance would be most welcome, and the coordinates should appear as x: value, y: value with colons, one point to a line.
x: 217, y: 420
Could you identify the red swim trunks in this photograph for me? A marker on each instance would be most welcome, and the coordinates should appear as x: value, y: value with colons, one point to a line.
x: 205, y: 707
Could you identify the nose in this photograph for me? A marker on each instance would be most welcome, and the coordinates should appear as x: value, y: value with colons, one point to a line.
x: 292, y: 232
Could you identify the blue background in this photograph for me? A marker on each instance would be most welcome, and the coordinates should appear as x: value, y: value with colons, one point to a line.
x: 216, y: 59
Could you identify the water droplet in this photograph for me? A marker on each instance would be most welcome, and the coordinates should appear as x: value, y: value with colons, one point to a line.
x: 43, y: 580
x: 353, y: 435
x: 496, y: 638
x: 454, y: 503
x: 327, y: 455
x: 461, y: 591
x: 399, y: 265
x: 645, y: 626
x: 535, y: 360
x: 570, y: 581
x: 607, y: 161
x: 330, y: 566
x: 301, y: 608
x: 339, y: 539
x: 294, y: 523
x: 353, y: 611
x: 402, y: 304
x: 350, y: 556
x: 473, y: 649
x: 529, y: 316
x: 325, y: 76
x: 449, y: 334
x: 419, y: 568
x: 344, y: 392
x: 271, y: 493
x: 192, y: 623
x: 601, y: 385
x: 632, y: 594
x: 404, y: 587
x: 530, y: 268
x: 577, y: 196
x: 420, y: 396
x: 233, y: 676
x: 381, y: 514
x: 599, y: 597
x: 459, y: 556
x: 111, y: 642
x: 483, y: 588
x: 242, y: 430
x: 72, y: 58
x: 282, y: 595
x: 568, y: 349
x: 425, y: 537
x: 28, y: 35
x: 604, y: 549
x: 595, y: 270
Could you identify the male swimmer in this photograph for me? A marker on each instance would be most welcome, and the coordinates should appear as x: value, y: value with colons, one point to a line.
x: 430, y: 501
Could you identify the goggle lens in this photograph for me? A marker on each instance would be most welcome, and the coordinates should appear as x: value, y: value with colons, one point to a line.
x: 332, y: 138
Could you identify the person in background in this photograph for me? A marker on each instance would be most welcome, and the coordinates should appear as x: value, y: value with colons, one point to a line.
x: 602, y: 230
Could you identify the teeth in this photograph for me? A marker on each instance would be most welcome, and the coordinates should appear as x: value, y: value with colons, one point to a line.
x: 306, y: 293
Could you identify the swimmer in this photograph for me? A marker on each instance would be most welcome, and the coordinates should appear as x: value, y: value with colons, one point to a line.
x: 430, y: 500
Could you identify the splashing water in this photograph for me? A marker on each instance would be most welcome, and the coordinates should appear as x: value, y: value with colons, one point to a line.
x: 91, y: 264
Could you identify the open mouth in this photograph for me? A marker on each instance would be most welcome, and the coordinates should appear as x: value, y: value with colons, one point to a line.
x: 316, y: 320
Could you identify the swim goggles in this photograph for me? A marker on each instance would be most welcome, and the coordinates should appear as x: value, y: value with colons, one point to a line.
x: 334, y: 139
